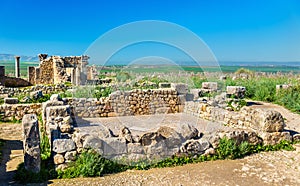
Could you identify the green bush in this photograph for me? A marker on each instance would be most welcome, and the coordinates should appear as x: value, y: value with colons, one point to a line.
x: 197, y: 81
x: 90, y: 164
x: 228, y: 149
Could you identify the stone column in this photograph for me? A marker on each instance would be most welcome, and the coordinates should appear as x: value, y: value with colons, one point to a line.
x: 31, y: 143
x: 77, y: 76
x: 17, y: 66
x: 2, y: 71
x: 73, y: 79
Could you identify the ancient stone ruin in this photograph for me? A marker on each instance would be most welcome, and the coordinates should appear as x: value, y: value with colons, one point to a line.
x: 57, y: 69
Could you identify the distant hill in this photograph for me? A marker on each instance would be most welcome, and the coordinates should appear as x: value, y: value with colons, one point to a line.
x: 11, y: 57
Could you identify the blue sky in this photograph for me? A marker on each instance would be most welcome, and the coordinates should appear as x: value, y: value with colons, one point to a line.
x: 236, y: 30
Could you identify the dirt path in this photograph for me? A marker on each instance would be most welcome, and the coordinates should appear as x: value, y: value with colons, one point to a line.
x: 267, y: 168
x: 292, y: 119
x: 12, y: 154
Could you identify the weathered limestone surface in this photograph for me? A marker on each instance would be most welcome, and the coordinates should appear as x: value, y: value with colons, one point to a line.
x: 32, y: 152
x: 63, y: 145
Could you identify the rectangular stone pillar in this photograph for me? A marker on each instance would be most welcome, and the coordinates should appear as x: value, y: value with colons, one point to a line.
x: 2, y: 71
x: 31, y: 143
x: 17, y: 66
x: 37, y: 75
x: 31, y: 75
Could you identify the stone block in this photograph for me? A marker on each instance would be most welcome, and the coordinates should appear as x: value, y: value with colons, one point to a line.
x: 189, y: 97
x: 63, y: 145
x: 58, y: 159
x: 36, y: 94
x: 172, y: 138
x: 55, y: 111
x: 195, y: 92
x: 31, y: 143
x: 114, y: 146
x: 11, y: 100
x: 55, y: 97
x: 272, y: 121
x: 275, y: 137
x: 187, y: 131
x: 181, y: 99
x: 181, y: 88
x: 70, y: 156
x: 195, y: 147
x: 135, y: 148
x: 237, y: 91
x: 210, y: 85
x: 164, y: 85
x: 94, y: 143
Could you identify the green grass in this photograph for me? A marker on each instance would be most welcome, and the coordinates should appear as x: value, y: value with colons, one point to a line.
x: 224, y: 69
x: 264, y: 89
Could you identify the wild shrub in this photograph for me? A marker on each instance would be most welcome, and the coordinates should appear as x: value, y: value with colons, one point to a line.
x: 90, y: 164
x: 289, y: 98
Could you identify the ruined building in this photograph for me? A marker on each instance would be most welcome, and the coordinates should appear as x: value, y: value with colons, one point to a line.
x: 57, y: 69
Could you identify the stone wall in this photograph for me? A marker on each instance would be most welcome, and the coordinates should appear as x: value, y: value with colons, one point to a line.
x: 46, y: 72
x: 46, y: 89
x: 139, y: 102
x: 56, y: 69
x: 268, y: 124
x: 9, y: 112
x: 134, y: 102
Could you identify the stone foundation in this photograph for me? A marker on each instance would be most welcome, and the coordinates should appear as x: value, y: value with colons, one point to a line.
x: 10, y: 112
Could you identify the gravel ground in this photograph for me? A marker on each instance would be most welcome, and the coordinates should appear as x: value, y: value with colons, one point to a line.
x: 267, y: 168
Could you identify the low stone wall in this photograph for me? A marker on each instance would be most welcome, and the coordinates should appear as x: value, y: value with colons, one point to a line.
x: 140, y: 102
x: 90, y: 107
x: 46, y: 89
x: 134, y: 102
x: 268, y: 124
x: 9, y: 112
